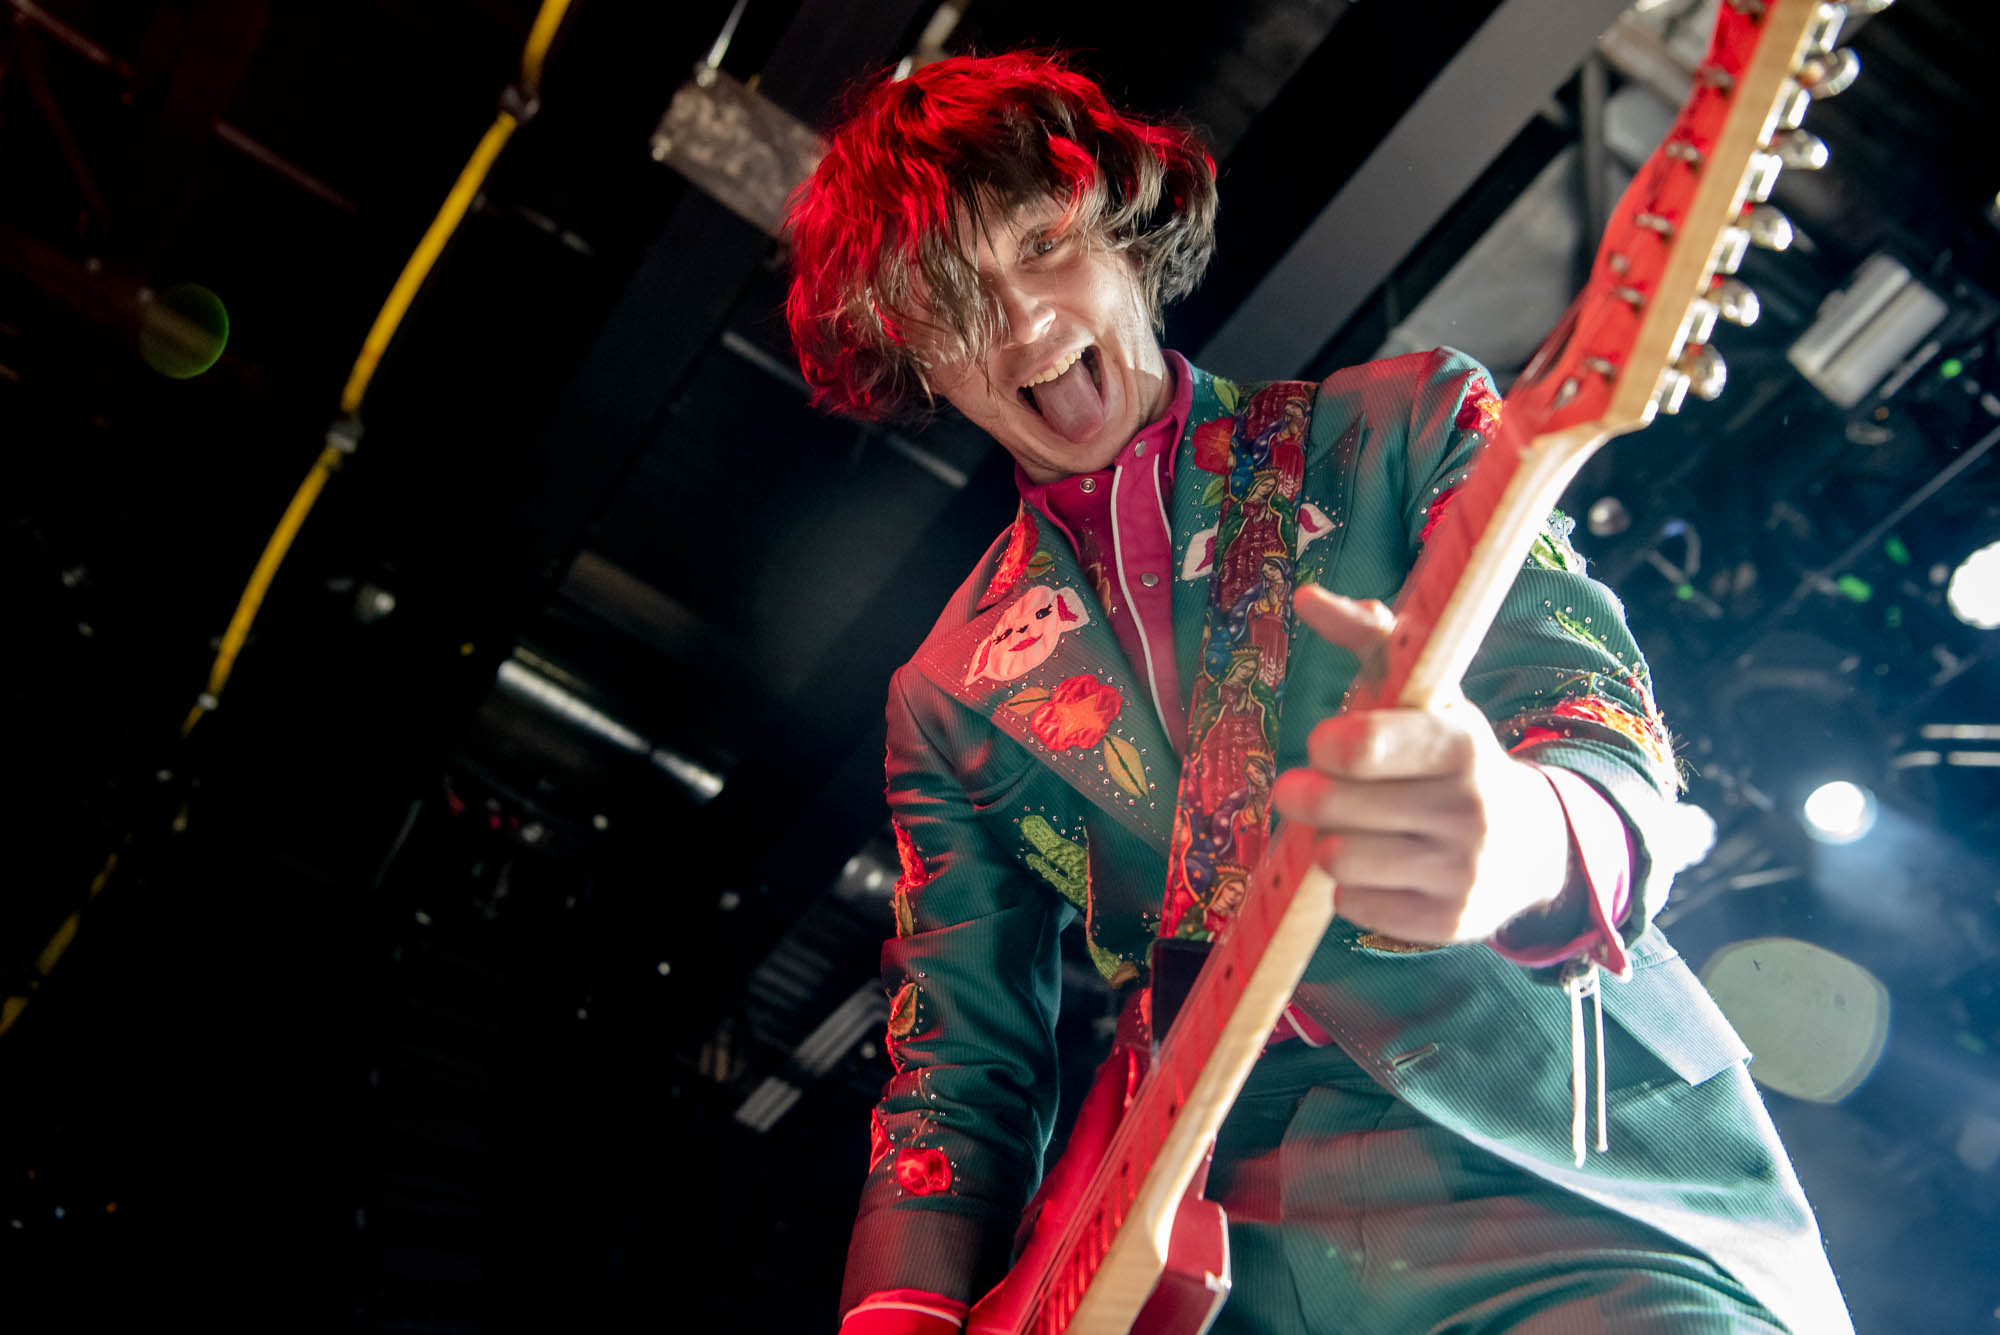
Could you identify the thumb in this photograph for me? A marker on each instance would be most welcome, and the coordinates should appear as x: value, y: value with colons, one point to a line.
x: 1356, y: 625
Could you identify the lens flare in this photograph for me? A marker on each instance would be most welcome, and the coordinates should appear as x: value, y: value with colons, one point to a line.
x: 183, y: 330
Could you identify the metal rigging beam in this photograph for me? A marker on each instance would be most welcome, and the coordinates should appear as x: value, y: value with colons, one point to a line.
x: 1453, y: 131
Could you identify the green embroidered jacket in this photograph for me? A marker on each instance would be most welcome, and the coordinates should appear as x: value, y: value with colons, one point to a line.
x: 1012, y: 824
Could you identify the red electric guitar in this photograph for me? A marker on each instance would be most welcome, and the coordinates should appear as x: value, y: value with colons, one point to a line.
x: 1124, y: 1241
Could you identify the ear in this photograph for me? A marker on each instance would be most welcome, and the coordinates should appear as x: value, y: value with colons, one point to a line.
x: 1071, y: 610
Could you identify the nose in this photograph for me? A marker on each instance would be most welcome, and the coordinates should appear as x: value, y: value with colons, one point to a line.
x: 1027, y: 315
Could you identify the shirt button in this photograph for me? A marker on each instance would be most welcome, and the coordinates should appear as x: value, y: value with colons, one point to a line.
x: 1149, y: 579
x: 1087, y: 485
x: 1139, y: 450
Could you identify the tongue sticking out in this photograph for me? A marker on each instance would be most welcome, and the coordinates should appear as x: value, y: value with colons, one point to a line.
x: 1071, y: 403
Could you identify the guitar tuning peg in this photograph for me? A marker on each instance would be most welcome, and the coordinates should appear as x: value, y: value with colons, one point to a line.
x: 1800, y: 150
x: 1823, y: 33
x: 1706, y: 374
x: 1730, y: 249
x: 1768, y: 228
x: 1792, y: 104
x: 1698, y: 326
x: 1736, y: 300
x: 1762, y: 176
x: 1830, y: 73
x: 1672, y: 391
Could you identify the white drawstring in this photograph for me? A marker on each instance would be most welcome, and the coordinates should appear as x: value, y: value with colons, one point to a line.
x: 1580, y: 981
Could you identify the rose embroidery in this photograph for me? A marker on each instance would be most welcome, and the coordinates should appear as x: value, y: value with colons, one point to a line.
x: 1078, y: 714
x: 922, y: 1172
x: 1608, y: 714
x: 1014, y: 562
x: 1435, y: 515
x: 1211, y: 445
x: 1535, y: 737
x: 878, y: 1140
x: 1480, y: 411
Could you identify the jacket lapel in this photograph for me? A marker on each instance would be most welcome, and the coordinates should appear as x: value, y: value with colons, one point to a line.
x: 1040, y: 661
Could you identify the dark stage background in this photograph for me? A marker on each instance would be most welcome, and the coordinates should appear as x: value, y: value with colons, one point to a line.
x: 499, y: 954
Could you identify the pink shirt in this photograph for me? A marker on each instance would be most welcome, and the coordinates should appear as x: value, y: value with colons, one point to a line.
x: 1116, y: 523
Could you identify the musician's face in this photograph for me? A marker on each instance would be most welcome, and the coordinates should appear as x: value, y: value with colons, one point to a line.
x: 1076, y: 370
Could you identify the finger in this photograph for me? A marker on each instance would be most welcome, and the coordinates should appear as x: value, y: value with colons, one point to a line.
x: 1429, y: 806
x: 1401, y: 914
x: 1406, y: 864
x: 1393, y: 744
x: 1357, y: 625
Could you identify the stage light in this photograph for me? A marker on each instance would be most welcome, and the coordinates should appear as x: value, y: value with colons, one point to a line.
x: 1974, y: 591
x: 1817, y: 1021
x: 1839, y: 812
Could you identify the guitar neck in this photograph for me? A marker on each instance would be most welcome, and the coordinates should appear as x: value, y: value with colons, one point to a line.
x: 1633, y: 344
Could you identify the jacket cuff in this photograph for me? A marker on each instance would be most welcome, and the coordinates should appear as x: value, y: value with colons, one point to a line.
x: 904, y: 1312
x: 1601, y: 857
x: 936, y: 1251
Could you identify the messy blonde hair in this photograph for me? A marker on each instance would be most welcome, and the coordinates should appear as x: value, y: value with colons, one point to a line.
x: 879, y: 231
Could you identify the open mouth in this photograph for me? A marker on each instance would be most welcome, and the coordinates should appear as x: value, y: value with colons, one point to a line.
x: 1088, y: 363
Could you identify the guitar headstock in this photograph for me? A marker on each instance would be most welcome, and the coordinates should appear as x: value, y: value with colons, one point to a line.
x: 1636, y: 341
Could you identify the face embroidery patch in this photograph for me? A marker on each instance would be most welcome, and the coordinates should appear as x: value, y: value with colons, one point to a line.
x: 1027, y: 633
x: 922, y: 1172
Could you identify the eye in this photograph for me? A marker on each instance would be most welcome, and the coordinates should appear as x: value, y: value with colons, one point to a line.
x: 1044, y: 244
x: 1044, y: 612
x: 1003, y: 635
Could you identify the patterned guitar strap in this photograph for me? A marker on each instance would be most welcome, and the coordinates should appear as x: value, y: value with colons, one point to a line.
x: 1222, y: 817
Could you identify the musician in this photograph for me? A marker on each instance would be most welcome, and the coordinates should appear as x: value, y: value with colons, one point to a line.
x: 1195, y: 566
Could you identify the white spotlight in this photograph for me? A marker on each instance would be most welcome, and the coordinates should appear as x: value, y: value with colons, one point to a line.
x: 1839, y: 812
x: 1974, y: 592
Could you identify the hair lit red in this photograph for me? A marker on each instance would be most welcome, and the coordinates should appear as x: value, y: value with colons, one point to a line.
x: 878, y: 232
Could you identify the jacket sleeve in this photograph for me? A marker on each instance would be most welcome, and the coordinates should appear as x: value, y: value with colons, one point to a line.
x: 1558, y: 673
x: 973, y: 977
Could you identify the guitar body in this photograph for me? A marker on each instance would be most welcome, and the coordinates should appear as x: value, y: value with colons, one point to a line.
x: 1190, y: 1291
x: 1192, y: 1288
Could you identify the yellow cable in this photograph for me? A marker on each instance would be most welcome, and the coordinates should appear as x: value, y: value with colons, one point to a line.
x: 252, y: 600
x: 419, y: 267
x: 539, y: 39
x: 408, y: 284
x: 11, y: 1007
